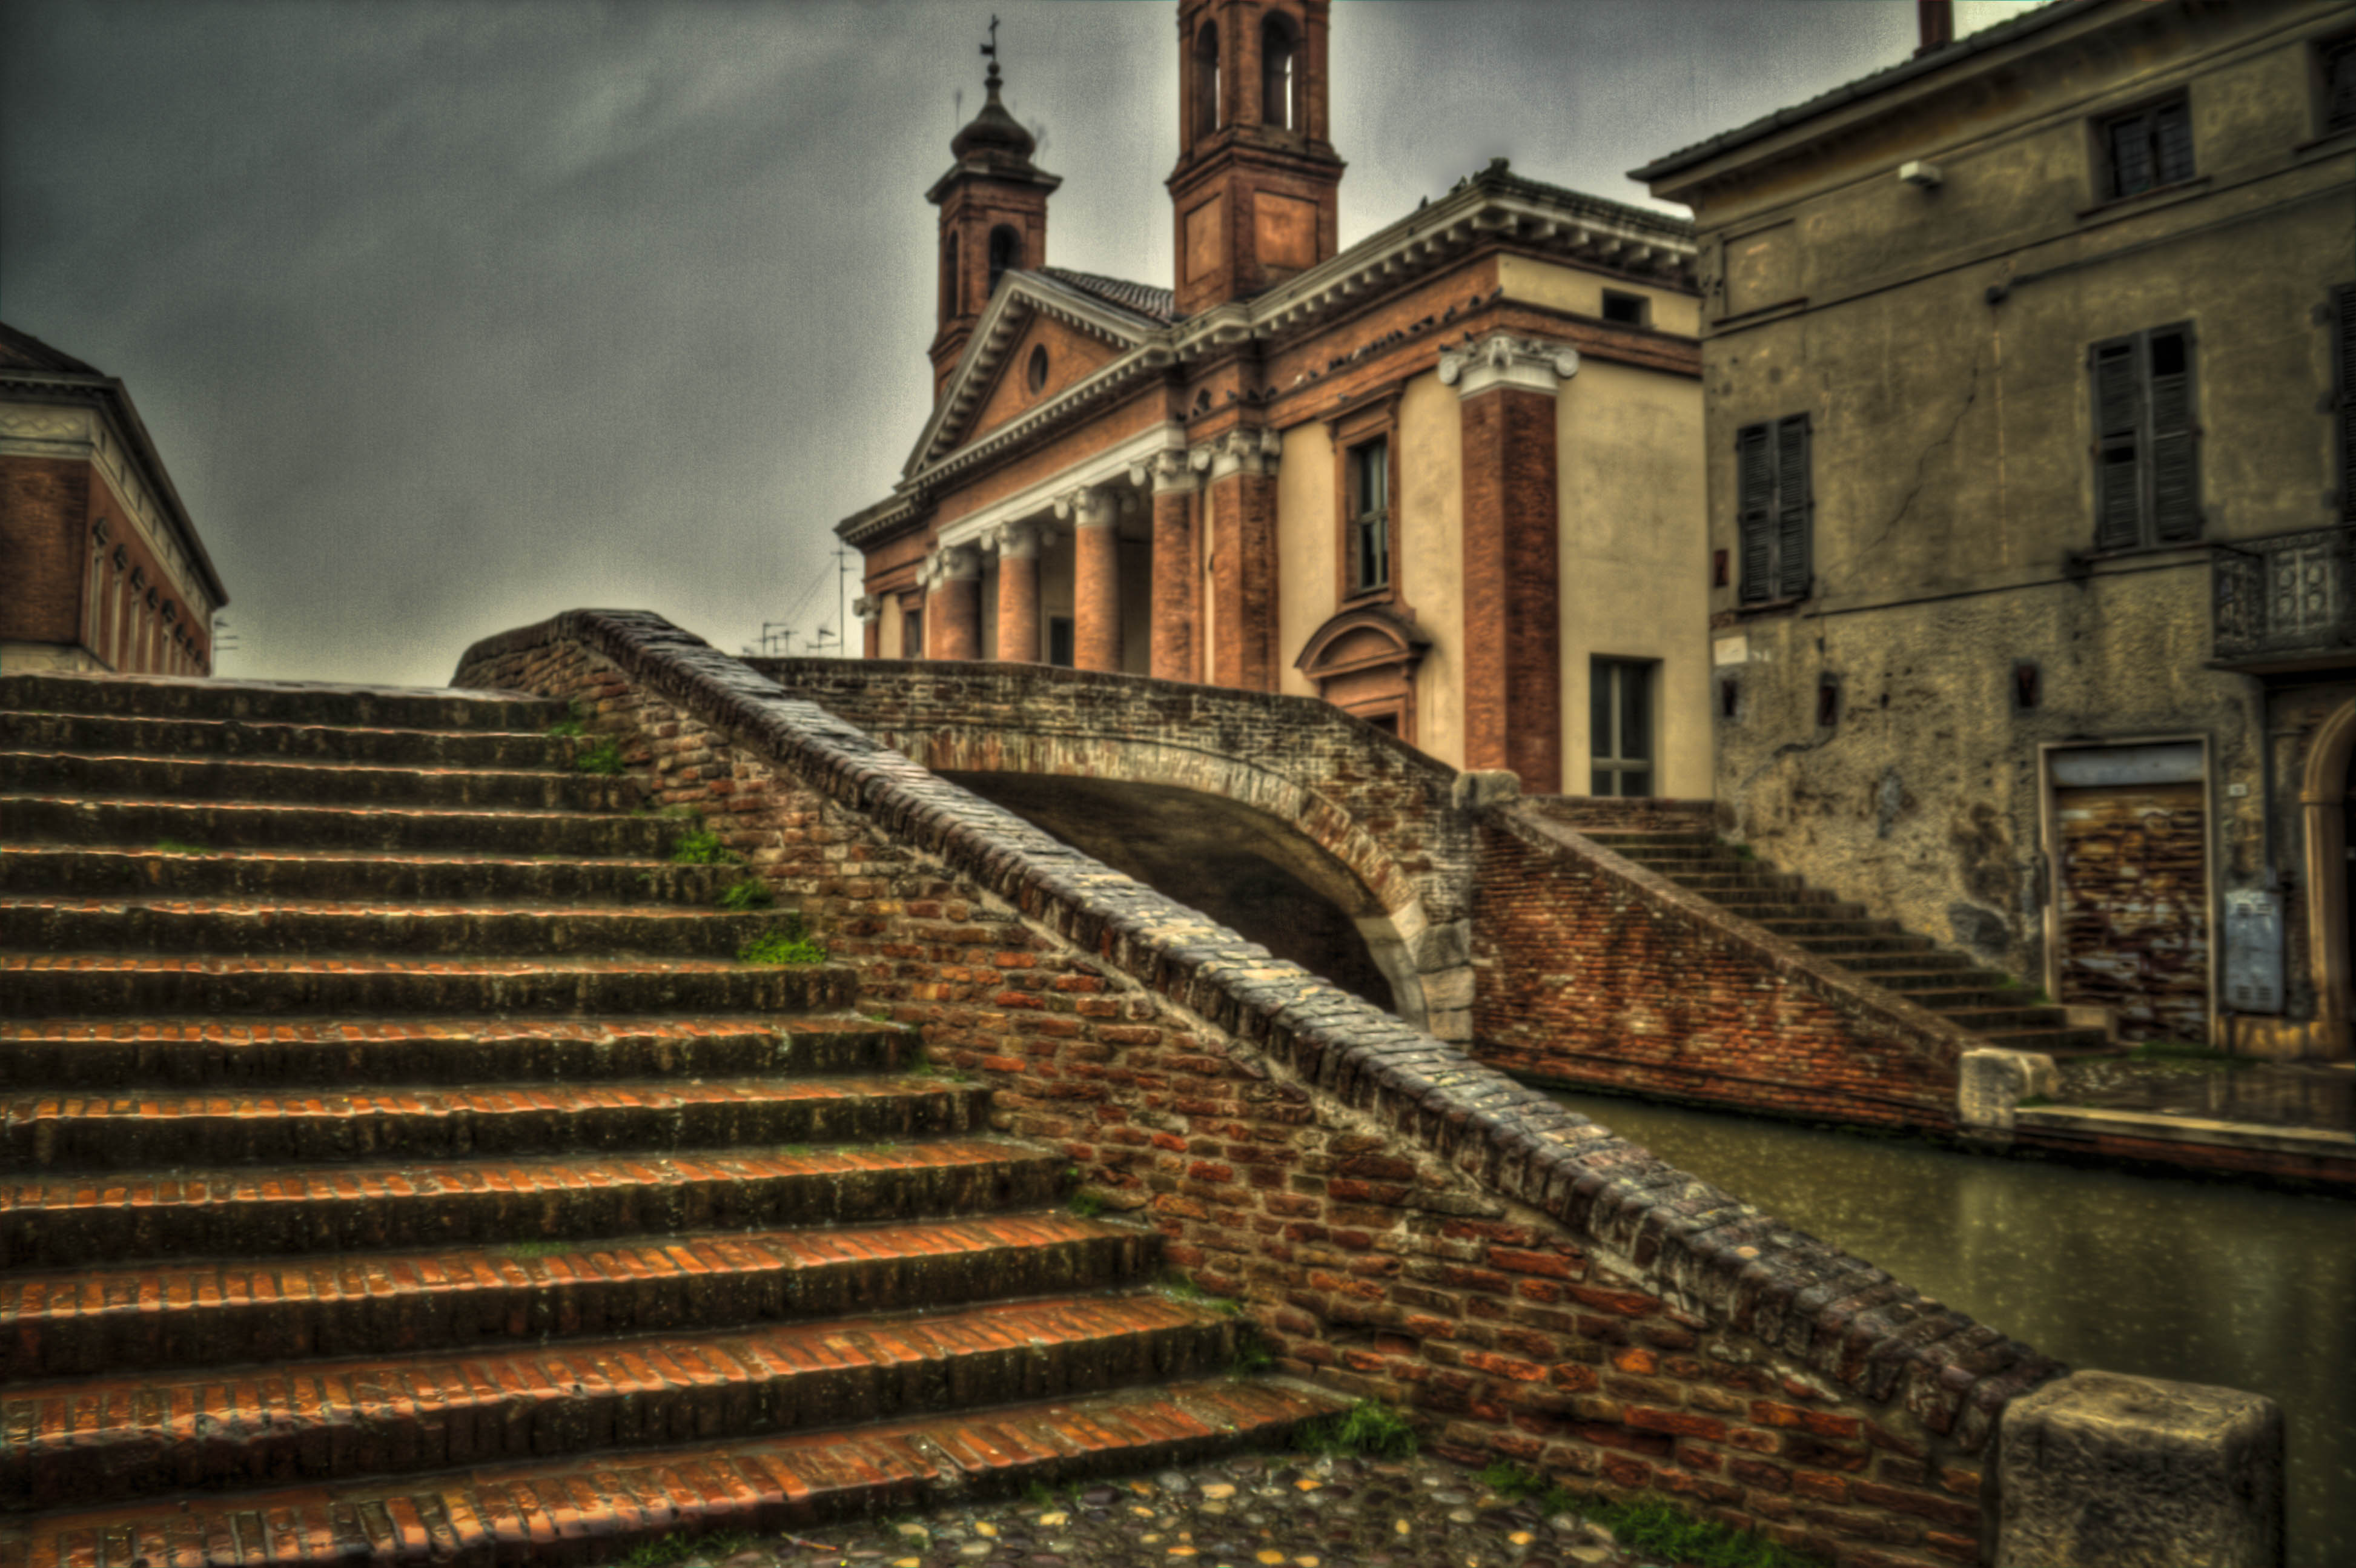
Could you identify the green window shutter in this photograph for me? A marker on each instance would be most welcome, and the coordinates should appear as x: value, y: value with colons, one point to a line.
x: 2171, y: 142
x: 2340, y: 87
x: 1792, y: 504
x: 2175, y: 458
x: 2119, y: 444
x: 2344, y: 324
x: 1755, y: 517
x: 2130, y: 140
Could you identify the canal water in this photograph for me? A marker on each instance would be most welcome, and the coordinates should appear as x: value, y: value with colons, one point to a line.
x: 2171, y: 1277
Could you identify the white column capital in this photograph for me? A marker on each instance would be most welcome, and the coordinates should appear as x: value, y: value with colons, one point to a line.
x: 1092, y: 505
x: 951, y: 563
x: 867, y: 607
x: 1501, y: 359
x: 1021, y: 540
x: 1168, y: 472
x: 1240, y: 451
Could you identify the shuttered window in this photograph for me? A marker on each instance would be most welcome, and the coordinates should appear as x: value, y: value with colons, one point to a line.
x: 2147, y: 456
x: 2148, y: 148
x: 2339, y: 85
x: 1775, y: 506
x: 2343, y: 394
x: 1370, y: 516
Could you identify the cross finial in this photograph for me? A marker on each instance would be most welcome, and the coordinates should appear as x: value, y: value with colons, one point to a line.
x: 989, y: 51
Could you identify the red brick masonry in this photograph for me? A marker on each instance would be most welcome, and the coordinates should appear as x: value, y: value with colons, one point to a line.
x: 1399, y: 1221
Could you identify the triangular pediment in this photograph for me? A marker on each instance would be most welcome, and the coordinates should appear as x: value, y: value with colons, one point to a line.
x: 990, y: 388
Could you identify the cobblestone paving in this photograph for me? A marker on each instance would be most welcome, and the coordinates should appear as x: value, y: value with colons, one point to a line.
x: 1280, y: 1510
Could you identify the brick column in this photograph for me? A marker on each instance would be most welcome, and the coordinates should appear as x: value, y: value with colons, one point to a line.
x: 1242, y: 559
x: 1018, y: 592
x: 953, y: 609
x: 1176, y: 615
x: 1513, y: 584
x: 1096, y: 580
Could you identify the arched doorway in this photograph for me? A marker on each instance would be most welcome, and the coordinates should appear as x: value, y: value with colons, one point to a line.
x: 2324, y: 805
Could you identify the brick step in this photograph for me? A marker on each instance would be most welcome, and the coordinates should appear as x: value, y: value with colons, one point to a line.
x: 1914, y: 980
x: 1840, y: 949
x: 1985, y: 1018
x: 1683, y: 856
x: 152, y: 1057
x: 67, y: 985
x: 1951, y: 998
x: 277, y: 701
x: 1871, y: 965
x: 317, y: 1125
x: 1715, y: 882
x: 1770, y: 910
x: 112, y: 733
x: 1797, y: 926
x: 79, y: 1443
x: 168, y: 925
x: 347, y: 874
x: 595, y: 1509
x: 314, y: 783
x: 118, y: 1321
x: 1622, y: 839
x: 222, y: 824
x: 2062, y: 1044
x: 76, y: 1222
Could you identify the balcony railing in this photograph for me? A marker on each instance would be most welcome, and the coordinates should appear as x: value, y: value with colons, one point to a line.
x: 2290, y: 598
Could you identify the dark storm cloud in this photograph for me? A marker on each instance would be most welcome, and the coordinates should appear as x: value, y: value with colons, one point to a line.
x: 447, y: 316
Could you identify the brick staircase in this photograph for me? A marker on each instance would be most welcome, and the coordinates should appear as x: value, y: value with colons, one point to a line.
x: 399, y: 1167
x: 1983, y: 1001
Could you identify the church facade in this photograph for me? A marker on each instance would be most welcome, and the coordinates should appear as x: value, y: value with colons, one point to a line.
x: 1445, y: 478
x: 103, y: 569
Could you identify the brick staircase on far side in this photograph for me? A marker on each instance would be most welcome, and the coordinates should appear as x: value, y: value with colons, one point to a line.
x: 1984, y: 1002
x: 398, y: 1165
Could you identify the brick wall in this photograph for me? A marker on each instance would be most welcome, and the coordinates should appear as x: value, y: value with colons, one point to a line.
x: 1592, y: 971
x: 1400, y: 1223
x: 43, y: 504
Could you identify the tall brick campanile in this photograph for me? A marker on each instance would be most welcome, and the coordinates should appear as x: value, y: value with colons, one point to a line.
x: 994, y: 205
x: 1513, y: 667
x: 1257, y: 185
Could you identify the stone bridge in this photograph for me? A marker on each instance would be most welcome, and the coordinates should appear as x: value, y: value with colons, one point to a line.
x: 1316, y: 835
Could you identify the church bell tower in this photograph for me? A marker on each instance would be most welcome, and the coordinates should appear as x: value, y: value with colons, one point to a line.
x: 994, y: 205
x: 1257, y: 185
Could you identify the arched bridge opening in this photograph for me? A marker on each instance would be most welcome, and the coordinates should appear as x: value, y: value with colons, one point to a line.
x: 1240, y: 866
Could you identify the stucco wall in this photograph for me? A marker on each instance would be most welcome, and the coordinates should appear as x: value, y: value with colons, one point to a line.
x: 1431, y: 551
x: 1635, y: 552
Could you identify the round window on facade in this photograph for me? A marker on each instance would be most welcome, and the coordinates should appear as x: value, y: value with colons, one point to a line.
x: 1038, y: 371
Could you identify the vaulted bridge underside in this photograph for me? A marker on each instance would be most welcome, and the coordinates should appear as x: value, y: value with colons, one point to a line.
x: 1243, y: 867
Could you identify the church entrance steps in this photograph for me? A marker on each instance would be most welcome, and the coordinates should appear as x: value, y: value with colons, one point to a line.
x: 478, y: 879
x: 1845, y: 934
x: 347, y: 1141
x: 568, y: 1510
x: 103, y: 1054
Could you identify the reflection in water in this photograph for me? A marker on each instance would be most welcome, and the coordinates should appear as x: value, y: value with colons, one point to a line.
x: 2164, y: 1276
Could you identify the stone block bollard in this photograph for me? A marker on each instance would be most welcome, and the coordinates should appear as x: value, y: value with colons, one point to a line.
x: 2101, y: 1470
x: 1990, y: 1084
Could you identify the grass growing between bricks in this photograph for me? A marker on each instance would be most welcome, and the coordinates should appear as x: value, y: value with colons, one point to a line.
x: 746, y: 893
x: 678, y: 1548
x: 1650, y: 1527
x: 1369, y: 1427
x: 604, y: 758
x: 575, y: 724
x: 788, y: 943
x: 701, y: 846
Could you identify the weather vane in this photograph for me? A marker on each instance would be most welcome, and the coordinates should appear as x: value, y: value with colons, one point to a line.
x: 990, y: 49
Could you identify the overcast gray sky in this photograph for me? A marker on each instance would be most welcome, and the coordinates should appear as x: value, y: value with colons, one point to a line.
x: 451, y: 314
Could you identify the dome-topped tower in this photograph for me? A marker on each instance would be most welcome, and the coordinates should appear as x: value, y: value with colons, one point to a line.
x: 994, y: 205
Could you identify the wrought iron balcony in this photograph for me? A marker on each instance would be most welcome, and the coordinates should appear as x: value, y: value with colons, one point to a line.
x: 2287, y: 601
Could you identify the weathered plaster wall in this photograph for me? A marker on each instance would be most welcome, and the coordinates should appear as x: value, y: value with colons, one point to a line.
x: 1432, y: 557
x: 1305, y: 531
x: 1580, y: 292
x: 1397, y: 1222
